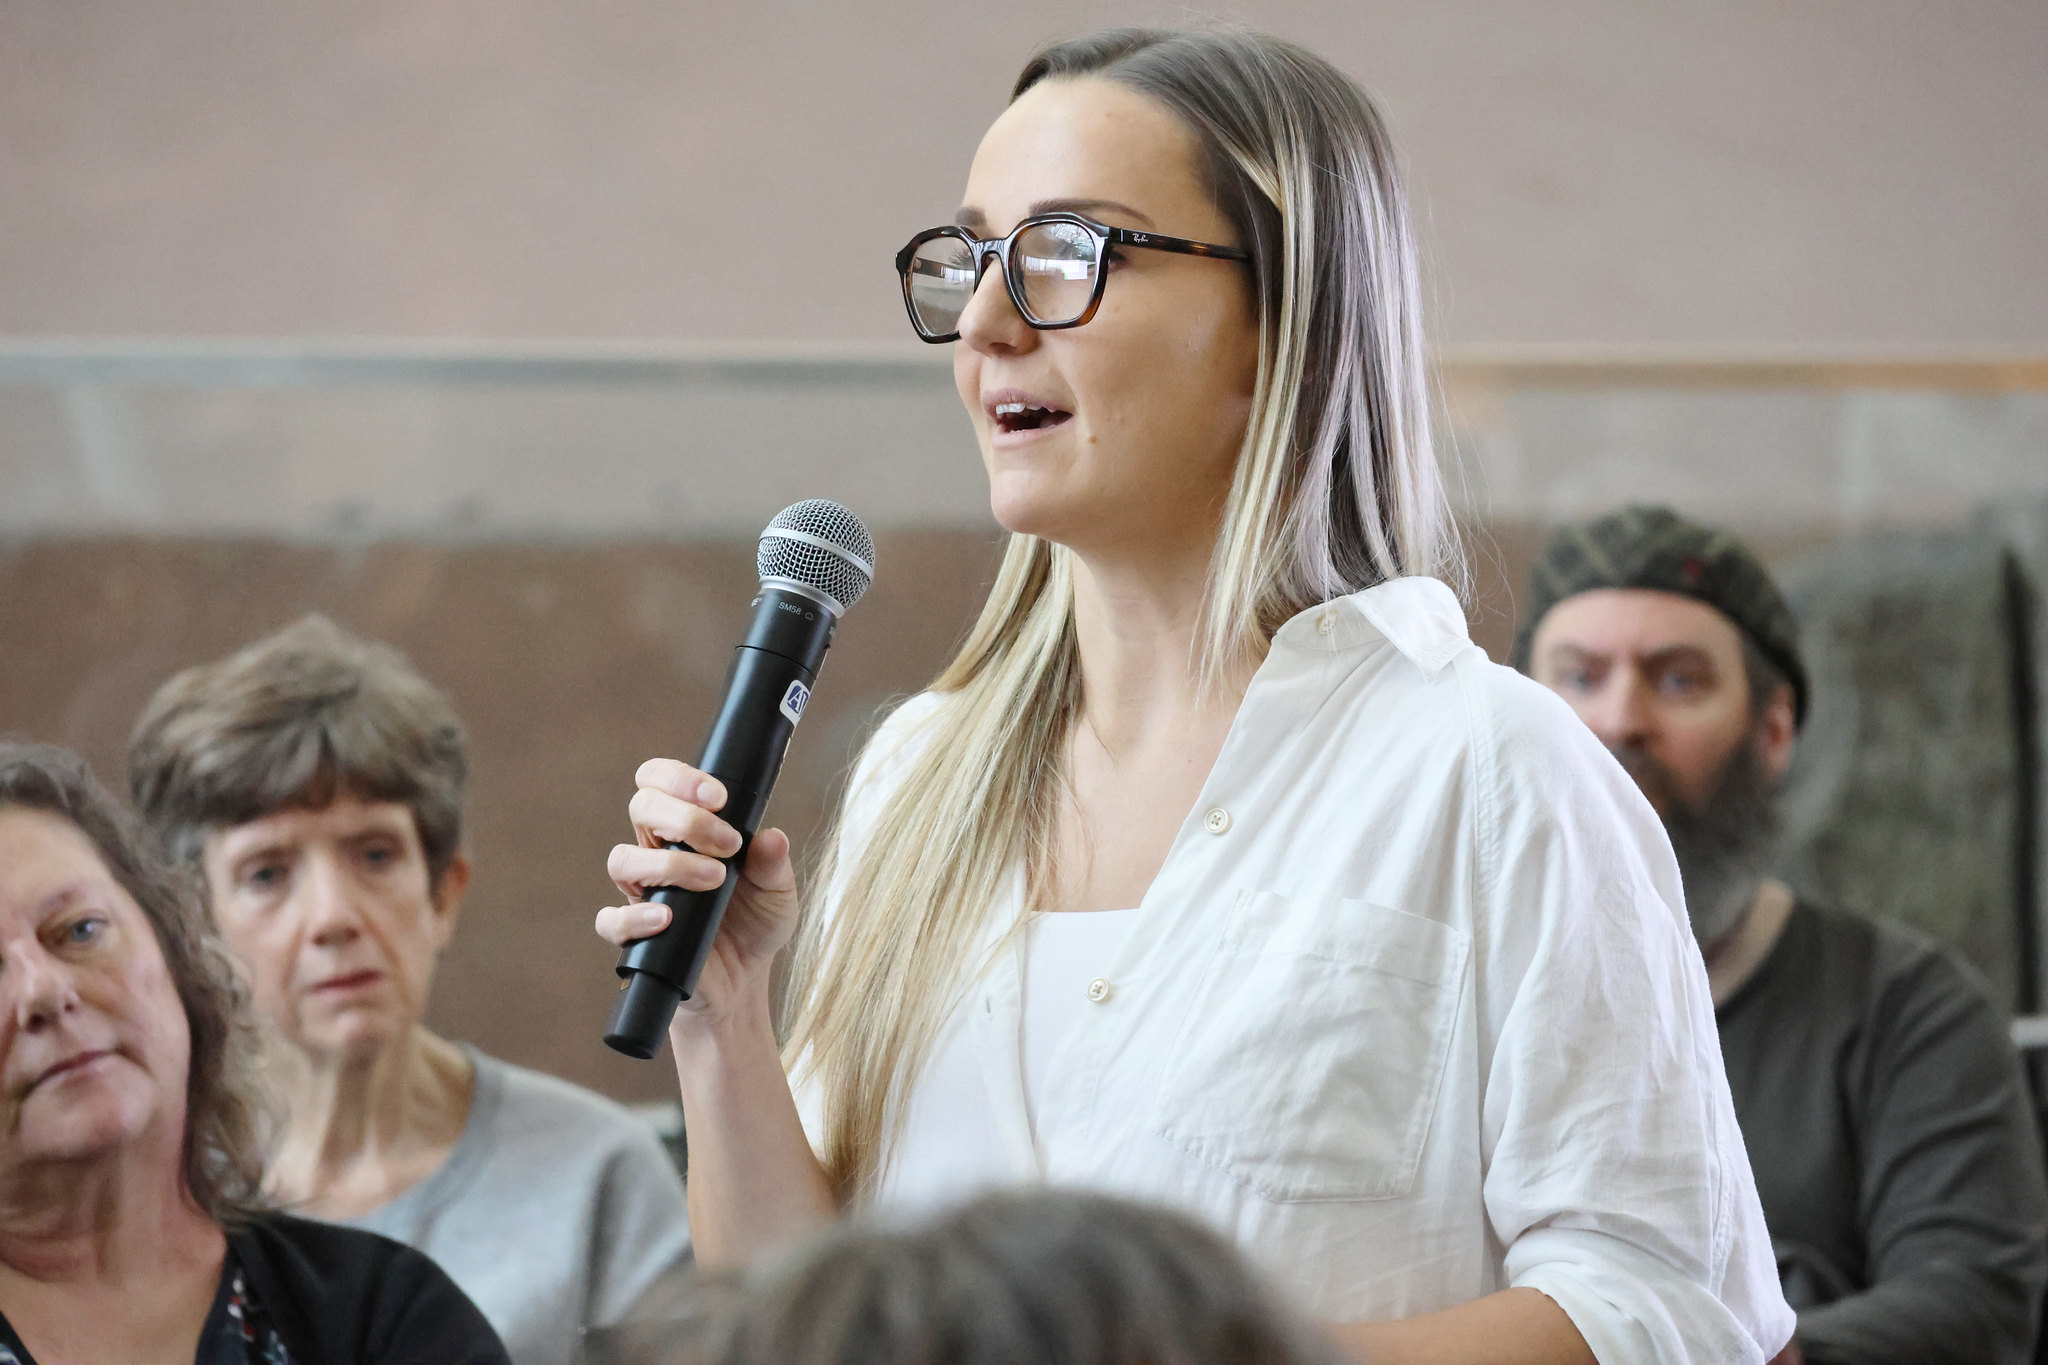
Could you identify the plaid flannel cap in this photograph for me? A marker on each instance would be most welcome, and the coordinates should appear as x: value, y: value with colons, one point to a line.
x: 1655, y: 548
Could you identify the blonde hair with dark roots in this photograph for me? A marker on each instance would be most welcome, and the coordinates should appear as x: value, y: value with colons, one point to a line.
x: 1336, y: 488
x: 226, y: 1122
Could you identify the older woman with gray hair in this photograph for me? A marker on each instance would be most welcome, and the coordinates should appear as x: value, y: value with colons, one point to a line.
x: 315, y: 780
x: 132, y: 1228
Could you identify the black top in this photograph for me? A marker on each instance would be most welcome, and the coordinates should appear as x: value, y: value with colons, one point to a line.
x: 1895, y: 1152
x: 295, y: 1292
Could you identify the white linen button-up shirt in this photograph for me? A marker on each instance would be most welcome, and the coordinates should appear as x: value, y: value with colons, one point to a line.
x: 1412, y: 1010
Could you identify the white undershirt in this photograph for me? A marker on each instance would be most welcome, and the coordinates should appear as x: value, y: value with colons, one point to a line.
x: 1064, y: 953
x: 955, y: 1143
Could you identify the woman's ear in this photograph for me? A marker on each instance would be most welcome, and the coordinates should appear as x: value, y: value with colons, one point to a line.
x: 449, y: 888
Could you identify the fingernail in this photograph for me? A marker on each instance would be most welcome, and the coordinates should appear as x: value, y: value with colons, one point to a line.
x: 710, y: 793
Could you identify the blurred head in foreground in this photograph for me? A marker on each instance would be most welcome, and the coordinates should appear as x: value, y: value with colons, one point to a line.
x: 1022, y: 1278
x: 1673, y: 644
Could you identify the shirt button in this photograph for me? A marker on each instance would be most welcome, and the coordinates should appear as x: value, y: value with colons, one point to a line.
x: 1098, y: 990
x: 1326, y: 623
x: 1217, y: 820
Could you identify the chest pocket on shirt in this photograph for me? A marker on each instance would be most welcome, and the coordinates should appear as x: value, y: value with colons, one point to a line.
x: 1311, y: 1060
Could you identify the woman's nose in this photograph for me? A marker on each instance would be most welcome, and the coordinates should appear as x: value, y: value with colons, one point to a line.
x: 991, y: 323
x: 40, y: 987
x: 332, y: 915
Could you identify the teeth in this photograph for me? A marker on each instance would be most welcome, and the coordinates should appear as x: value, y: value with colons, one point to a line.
x: 1014, y: 415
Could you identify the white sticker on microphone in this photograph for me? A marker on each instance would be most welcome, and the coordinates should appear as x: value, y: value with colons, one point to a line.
x: 794, y: 701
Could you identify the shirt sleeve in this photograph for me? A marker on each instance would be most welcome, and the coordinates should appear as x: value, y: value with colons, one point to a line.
x: 1615, y: 1175
x: 1954, y: 1208
x: 641, y: 1233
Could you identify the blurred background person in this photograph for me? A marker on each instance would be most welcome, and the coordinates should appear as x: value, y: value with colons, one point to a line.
x: 1019, y: 1278
x: 316, y: 780
x: 132, y: 1224
x: 1882, y: 1103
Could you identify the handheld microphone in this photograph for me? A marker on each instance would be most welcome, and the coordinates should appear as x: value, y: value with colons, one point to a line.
x: 816, y: 560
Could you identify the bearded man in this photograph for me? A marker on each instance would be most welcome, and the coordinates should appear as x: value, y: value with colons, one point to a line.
x: 1879, y: 1095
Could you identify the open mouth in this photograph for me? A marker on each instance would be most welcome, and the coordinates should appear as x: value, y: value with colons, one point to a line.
x: 1014, y: 417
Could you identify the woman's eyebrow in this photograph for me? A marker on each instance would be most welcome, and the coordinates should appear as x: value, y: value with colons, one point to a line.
x: 1089, y: 206
x: 975, y: 220
x: 64, y: 897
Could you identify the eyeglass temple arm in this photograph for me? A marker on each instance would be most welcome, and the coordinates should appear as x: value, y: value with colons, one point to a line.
x: 1155, y: 242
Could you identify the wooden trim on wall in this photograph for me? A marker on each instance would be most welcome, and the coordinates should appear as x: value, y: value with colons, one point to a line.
x: 288, y: 362
x: 1550, y: 368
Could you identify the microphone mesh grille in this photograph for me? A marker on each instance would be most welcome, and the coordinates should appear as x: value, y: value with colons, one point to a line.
x: 843, y: 576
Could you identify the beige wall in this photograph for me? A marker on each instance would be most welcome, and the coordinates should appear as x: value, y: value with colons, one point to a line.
x: 1860, y: 173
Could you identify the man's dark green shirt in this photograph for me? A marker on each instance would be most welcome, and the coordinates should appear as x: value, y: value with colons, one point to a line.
x: 1894, y: 1145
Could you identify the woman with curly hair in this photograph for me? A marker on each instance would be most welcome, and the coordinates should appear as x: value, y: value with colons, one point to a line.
x: 132, y: 1227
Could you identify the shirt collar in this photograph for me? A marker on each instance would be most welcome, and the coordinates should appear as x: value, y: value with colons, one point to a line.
x: 1419, y: 617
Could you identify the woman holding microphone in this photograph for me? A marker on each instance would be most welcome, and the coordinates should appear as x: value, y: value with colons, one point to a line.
x: 1220, y: 868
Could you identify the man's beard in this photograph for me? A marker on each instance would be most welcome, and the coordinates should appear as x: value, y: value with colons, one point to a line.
x: 1724, y: 844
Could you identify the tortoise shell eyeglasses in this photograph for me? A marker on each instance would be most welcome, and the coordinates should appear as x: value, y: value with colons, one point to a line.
x: 1053, y: 265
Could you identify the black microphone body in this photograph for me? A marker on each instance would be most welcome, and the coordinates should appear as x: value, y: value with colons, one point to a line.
x: 766, y: 688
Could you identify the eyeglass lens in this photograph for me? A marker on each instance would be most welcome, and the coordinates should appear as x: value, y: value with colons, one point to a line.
x: 1052, y: 265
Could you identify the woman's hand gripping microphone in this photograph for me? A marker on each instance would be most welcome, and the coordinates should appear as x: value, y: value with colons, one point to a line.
x: 676, y: 804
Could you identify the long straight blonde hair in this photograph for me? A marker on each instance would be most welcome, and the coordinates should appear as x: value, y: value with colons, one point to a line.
x: 1336, y: 488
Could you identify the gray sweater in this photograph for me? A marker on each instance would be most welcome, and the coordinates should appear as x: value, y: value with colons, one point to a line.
x: 555, y: 1211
